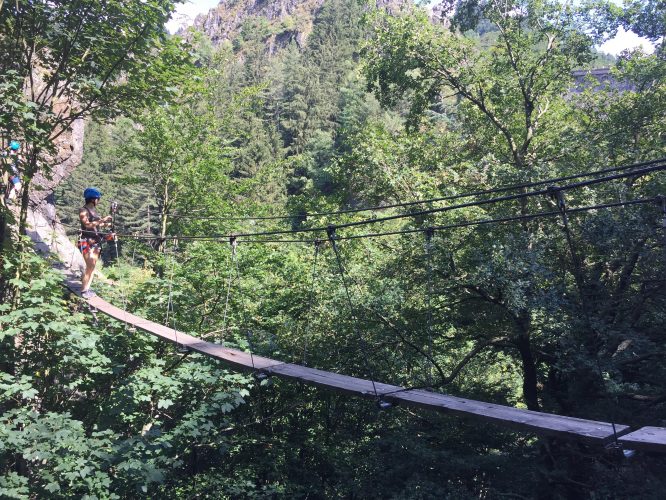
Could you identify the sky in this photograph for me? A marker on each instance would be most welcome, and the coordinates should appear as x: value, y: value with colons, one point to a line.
x: 186, y: 12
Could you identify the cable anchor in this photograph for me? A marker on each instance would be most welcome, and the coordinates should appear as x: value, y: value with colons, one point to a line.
x: 429, y: 233
x: 260, y: 376
x: 384, y: 404
x: 330, y: 231
x: 556, y: 194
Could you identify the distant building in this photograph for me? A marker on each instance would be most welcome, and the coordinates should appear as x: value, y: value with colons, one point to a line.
x: 597, y: 79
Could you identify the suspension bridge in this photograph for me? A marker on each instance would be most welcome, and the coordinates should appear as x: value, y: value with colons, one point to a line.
x: 546, y: 424
x: 651, y: 439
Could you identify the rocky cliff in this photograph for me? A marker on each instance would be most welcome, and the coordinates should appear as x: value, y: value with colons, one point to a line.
x: 285, y: 20
x: 43, y: 223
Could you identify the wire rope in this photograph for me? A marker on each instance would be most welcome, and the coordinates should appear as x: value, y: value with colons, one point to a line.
x: 428, y: 255
x: 431, y: 200
x: 332, y: 238
x: 479, y: 222
x: 421, y: 229
x: 376, y: 220
x: 317, y: 244
x: 233, y: 244
x: 580, y: 282
x: 402, y: 215
x: 248, y: 333
x: 170, y: 306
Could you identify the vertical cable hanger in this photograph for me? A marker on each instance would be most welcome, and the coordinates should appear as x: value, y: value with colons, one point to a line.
x: 114, y: 241
x: 170, y: 307
x: 661, y: 200
x: 233, y: 244
x: 429, y: 232
x: 317, y: 245
x: 234, y: 263
x: 260, y: 376
x: 558, y: 196
x: 330, y: 231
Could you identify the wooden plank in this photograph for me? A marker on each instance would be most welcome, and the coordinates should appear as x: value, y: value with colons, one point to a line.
x: 234, y: 357
x: 515, y: 418
x: 646, y: 439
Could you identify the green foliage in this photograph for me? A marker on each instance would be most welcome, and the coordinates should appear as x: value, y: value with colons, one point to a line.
x: 66, y: 61
x: 500, y: 312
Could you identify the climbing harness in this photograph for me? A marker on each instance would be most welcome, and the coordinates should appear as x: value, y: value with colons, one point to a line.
x: 89, y: 240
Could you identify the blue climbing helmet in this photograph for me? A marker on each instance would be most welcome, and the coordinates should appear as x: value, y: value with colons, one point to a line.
x: 14, y: 145
x: 92, y: 193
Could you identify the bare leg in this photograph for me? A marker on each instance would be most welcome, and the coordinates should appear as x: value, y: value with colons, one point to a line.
x: 91, y: 262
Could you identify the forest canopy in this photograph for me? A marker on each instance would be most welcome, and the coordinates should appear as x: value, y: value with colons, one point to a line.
x: 349, y: 118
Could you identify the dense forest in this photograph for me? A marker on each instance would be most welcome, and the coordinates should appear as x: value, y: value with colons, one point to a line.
x: 375, y: 112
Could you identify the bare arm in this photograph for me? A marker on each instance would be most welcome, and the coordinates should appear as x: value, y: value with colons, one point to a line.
x: 83, y: 217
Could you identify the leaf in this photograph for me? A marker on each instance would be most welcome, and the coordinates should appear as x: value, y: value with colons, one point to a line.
x: 52, y: 487
x: 164, y: 403
x: 29, y: 393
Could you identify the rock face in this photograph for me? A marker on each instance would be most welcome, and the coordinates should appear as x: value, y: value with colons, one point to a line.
x: 68, y: 157
x: 287, y: 20
x: 51, y: 239
x: 442, y: 12
x: 43, y: 223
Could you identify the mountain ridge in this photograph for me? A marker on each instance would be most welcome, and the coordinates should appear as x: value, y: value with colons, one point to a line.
x: 284, y: 21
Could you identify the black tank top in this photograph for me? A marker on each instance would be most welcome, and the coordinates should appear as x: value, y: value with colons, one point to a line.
x: 87, y: 233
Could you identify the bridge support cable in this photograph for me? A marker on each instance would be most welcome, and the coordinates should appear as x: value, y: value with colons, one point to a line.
x: 587, y: 431
x: 429, y: 232
x: 558, y: 196
x: 364, y: 348
x: 308, y: 333
x: 170, y: 308
x: 500, y: 189
x: 420, y: 213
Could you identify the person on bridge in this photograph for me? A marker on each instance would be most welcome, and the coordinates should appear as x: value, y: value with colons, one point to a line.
x: 90, y: 239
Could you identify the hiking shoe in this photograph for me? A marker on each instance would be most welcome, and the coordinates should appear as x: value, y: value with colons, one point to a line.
x: 88, y: 294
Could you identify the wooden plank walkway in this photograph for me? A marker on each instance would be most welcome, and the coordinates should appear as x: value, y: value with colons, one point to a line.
x: 590, y: 431
x: 646, y: 439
